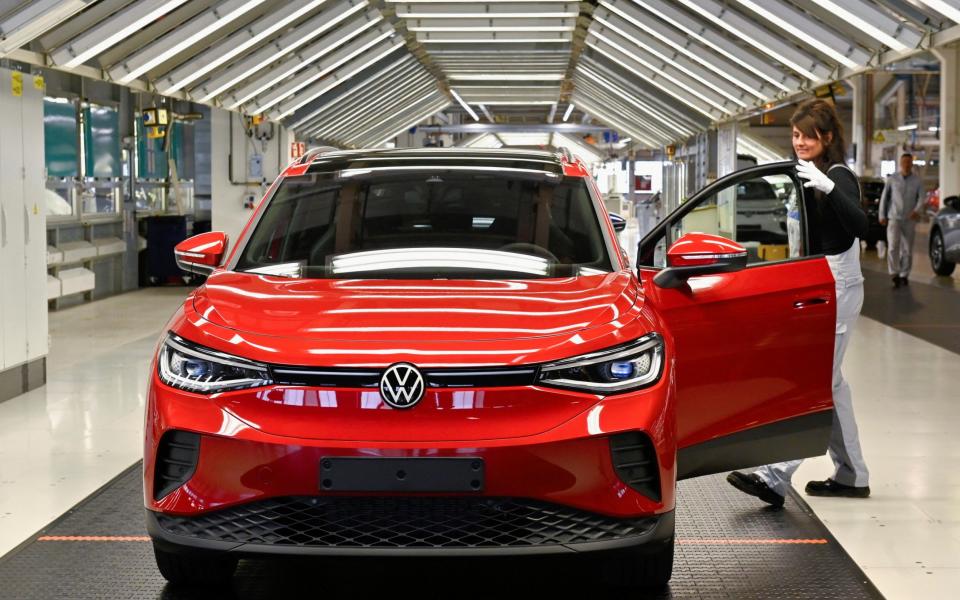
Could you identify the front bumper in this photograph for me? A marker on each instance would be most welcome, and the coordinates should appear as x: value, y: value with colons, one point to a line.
x: 404, y: 526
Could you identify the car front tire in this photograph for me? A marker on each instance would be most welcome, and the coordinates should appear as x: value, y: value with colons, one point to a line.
x: 190, y: 569
x: 938, y: 255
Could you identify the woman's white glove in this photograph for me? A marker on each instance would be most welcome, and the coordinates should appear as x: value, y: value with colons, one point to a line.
x: 816, y: 178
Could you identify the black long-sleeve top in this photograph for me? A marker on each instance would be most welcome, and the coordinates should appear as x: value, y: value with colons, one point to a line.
x: 836, y: 219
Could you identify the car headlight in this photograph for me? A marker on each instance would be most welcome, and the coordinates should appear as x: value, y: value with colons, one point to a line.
x: 194, y: 368
x: 612, y: 371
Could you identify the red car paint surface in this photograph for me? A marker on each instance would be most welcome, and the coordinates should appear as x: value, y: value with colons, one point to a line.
x: 741, y: 350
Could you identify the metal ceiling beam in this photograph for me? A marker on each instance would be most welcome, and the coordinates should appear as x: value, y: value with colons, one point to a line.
x: 685, y: 44
x: 408, y: 119
x: 616, y: 122
x: 357, y: 30
x: 668, y: 13
x: 800, y: 25
x: 617, y: 106
x: 257, y: 62
x: 192, y: 32
x: 760, y: 38
x: 373, y: 105
x: 71, y: 28
x: 111, y: 31
x: 236, y: 44
x: 678, y: 87
x: 490, y: 25
x: 384, y: 117
x: 665, y: 106
x: 341, y: 69
x: 880, y: 26
x: 653, y: 50
x: 339, y: 107
x: 35, y: 19
x: 489, y: 37
x: 487, y: 10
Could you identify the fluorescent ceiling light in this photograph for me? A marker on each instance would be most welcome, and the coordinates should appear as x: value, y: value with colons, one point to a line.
x: 337, y: 46
x: 506, y: 76
x: 465, y: 106
x: 486, y: 112
x: 947, y: 9
x: 868, y: 28
x: 567, y: 113
x: 909, y: 127
x: 259, y: 60
x: 933, y: 128
x: 112, y: 31
x: 492, y: 29
x: 35, y: 19
x: 798, y: 32
x: 273, y: 23
x: 210, y: 21
x: 726, y: 24
x: 483, y: 15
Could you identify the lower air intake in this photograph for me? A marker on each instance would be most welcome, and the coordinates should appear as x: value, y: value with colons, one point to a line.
x: 177, y: 456
x: 635, y: 460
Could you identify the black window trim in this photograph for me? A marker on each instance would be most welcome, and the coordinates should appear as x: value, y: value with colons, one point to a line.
x: 665, y: 226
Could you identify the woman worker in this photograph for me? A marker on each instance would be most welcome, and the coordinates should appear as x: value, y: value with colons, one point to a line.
x: 836, y: 221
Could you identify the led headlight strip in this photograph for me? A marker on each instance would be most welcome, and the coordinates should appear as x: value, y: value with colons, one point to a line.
x: 187, y: 366
x: 639, y: 364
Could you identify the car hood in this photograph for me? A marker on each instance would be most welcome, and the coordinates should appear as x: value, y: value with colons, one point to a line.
x: 412, y: 310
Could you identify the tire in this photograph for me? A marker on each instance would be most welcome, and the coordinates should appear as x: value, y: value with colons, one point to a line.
x: 938, y: 255
x: 191, y: 569
x: 639, y: 568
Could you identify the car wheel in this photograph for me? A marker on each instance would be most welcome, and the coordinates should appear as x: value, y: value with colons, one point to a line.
x: 938, y: 255
x: 190, y: 569
x: 641, y: 568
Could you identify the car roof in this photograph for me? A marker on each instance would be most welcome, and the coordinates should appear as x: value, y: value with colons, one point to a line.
x: 550, y: 163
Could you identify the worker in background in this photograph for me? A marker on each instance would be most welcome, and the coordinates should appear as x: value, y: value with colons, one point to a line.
x: 901, y: 206
x: 836, y: 221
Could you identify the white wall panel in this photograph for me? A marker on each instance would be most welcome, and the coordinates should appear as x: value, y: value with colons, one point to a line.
x: 12, y: 272
x: 35, y: 246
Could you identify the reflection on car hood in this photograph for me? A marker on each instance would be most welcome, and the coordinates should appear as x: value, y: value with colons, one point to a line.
x: 382, y: 309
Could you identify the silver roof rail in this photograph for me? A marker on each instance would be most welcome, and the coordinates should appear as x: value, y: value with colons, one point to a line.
x: 312, y: 153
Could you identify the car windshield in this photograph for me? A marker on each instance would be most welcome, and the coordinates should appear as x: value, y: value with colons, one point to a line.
x: 428, y: 225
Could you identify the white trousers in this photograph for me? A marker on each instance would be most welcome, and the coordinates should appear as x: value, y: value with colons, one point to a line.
x: 900, y: 235
x: 844, y: 450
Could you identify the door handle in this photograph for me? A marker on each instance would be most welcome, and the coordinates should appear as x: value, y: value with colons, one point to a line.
x: 810, y: 302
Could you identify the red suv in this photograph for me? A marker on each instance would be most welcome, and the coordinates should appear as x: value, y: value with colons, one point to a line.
x: 446, y: 352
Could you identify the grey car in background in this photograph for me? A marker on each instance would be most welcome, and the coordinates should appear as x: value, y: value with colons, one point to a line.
x: 945, y: 237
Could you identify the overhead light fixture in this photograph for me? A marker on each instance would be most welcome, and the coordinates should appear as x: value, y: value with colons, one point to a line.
x: 727, y: 24
x: 934, y: 129
x: 506, y: 76
x: 863, y: 25
x: 908, y: 127
x: 273, y: 23
x: 465, y: 106
x: 944, y: 8
x: 35, y: 19
x: 567, y: 113
x: 210, y: 21
x: 800, y: 33
x: 112, y: 31
x: 524, y: 139
x: 492, y: 29
x: 258, y: 61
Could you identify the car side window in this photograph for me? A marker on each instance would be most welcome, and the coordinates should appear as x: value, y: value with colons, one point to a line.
x: 763, y: 214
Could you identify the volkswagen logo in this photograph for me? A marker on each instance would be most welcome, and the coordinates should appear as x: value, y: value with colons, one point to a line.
x: 401, y: 385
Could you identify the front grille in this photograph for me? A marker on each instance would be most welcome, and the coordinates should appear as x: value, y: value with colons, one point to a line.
x: 177, y: 455
x: 635, y: 460
x: 404, y: 522
x: 436, y: 378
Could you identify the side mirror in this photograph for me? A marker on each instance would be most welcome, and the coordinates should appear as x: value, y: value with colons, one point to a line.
x: 201, y: 254
x: 619, y: 223
x: 700, y: 254
x: 952, y: 201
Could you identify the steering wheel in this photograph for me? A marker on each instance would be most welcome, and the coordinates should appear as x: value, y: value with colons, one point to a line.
x: 526, y: 248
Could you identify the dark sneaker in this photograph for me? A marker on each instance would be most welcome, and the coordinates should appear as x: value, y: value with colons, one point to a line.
x: 753, y: 485
x: 896, y: 281
x: 838, y: 490
x: 904, y: 281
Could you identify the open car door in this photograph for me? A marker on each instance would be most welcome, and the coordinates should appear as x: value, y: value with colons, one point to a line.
x: 754, y: 341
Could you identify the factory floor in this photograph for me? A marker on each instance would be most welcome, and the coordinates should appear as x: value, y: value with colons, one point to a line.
x: 63, y: 441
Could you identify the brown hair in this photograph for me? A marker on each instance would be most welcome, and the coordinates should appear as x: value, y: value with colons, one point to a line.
x: 817, y: 118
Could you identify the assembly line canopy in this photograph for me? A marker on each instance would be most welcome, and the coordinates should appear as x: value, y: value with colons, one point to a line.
x: 354, y: 73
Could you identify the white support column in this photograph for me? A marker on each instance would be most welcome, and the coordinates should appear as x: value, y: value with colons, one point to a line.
x: 949, y: 57
x: 858, y: 127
